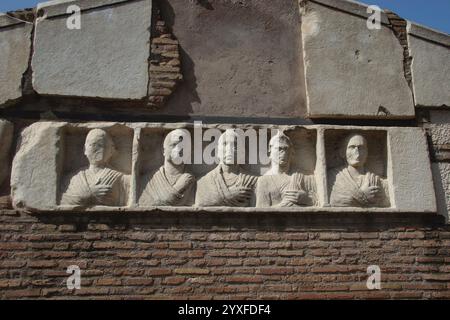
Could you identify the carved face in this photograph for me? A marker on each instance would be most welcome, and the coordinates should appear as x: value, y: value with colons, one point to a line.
x: 280, y: 152
x: 98, y: 147
x: 173, y: 146
x: 227, y: 148
x: 356, y: 151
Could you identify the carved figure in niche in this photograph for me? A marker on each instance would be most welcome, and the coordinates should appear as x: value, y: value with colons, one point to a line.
x: 170, y: 185
x: 227, y: 184
x: 353, y: 185
x: 279, y: 187
x: 97, y: 184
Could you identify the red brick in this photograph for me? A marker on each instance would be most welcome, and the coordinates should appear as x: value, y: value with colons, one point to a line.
x: 244, y: 279
x: 172, y: 281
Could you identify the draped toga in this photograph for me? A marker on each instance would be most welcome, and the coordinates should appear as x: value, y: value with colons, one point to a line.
x: 160, y: 192
x: 270, y: 189
x: 78, y: 189
x: 212, y: 189
x: 346, y: 189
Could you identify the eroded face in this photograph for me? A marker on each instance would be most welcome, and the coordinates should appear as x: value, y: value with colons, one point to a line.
x: 174, y: 147
x: 280, y: 153
x: 96, y: 148
x: 227, y: 148
x: 356, y: 152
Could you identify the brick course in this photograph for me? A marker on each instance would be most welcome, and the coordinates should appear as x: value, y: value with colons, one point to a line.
x: 172, y: 256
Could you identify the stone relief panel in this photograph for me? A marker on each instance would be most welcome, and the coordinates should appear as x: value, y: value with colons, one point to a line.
x: 219, y: 167
x: 96, y: 166
x: 357, y: 168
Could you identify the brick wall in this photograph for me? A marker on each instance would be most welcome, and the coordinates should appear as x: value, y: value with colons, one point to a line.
x: 264, y: 256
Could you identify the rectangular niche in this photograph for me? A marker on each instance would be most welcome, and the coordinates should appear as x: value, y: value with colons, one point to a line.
x: 357, y: 168
x: 151, y: 158
x: 114, y: 170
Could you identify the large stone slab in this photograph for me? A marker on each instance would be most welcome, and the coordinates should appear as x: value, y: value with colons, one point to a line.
x: 352, y: 71
x: 411, y: 170
x: 430, y: 66
x: 107, y: 166
x: 35, y: 185
x: 238, y: 58
x: 106, y: 58
x: 15, y: 44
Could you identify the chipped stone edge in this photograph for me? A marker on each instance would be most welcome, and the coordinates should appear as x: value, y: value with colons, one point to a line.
x: 8, y: 21
x: 353, y: 7
x: 427, y: 33
x: 59, y: 7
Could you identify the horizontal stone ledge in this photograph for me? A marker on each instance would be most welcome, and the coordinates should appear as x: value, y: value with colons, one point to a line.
x: 352, y: 7
x: 155, y: 210
x: 428, y: 33
x: 59, y: 7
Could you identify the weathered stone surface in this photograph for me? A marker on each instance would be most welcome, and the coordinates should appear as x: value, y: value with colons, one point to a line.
x: 430, y: 51
x: 238, y: 58
x: 411, y: 171
x: 6, y: 136
x: 109, y: 166
x: 441, y: 178
x: 439, y: 131
x: 36, y: 166
x: 352, y: 71
x: 15, y: 44
x: 106, y: 58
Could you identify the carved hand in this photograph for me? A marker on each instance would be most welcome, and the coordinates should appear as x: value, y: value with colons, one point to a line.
x: 101, y: 190
x: 294, y: 196
x: 240, y: 194
x: 370, y: 191
x: 184, y: 182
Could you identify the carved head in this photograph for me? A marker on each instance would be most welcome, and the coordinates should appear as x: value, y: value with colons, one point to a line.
x: 99, y: 147
x: 227, y: 147
x: 354, y: 150
x: 173, y: 145
x: 280, y: 149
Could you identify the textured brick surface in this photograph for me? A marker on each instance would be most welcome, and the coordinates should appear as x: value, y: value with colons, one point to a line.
x: 265, y: 256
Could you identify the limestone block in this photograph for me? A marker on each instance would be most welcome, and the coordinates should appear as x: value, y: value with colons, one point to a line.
x: 441, y: 178
x: 430, y: 51
x: 106, y: 58
x: 411, y: 170
x: 6, y: 136
x: 439, y: 130
x: 36, y: 166
x: 109, y: 166
x: 15, y: 44
x: 238, y: 58
x: 350, y: 70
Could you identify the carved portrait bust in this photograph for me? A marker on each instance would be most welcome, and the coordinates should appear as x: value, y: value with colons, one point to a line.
x: 353, y: 185
x: 280, y: 187
x: 170, y: 185
x: 228, y: 184
x: 97, y: 184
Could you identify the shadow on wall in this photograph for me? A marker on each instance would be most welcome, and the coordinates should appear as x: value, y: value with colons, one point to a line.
x: 187, y: 90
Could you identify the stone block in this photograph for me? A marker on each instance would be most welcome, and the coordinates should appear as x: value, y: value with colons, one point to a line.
x: 106, y: 58
x: 15, y: 46
x: 352, y: 71
x: 430, y: 51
